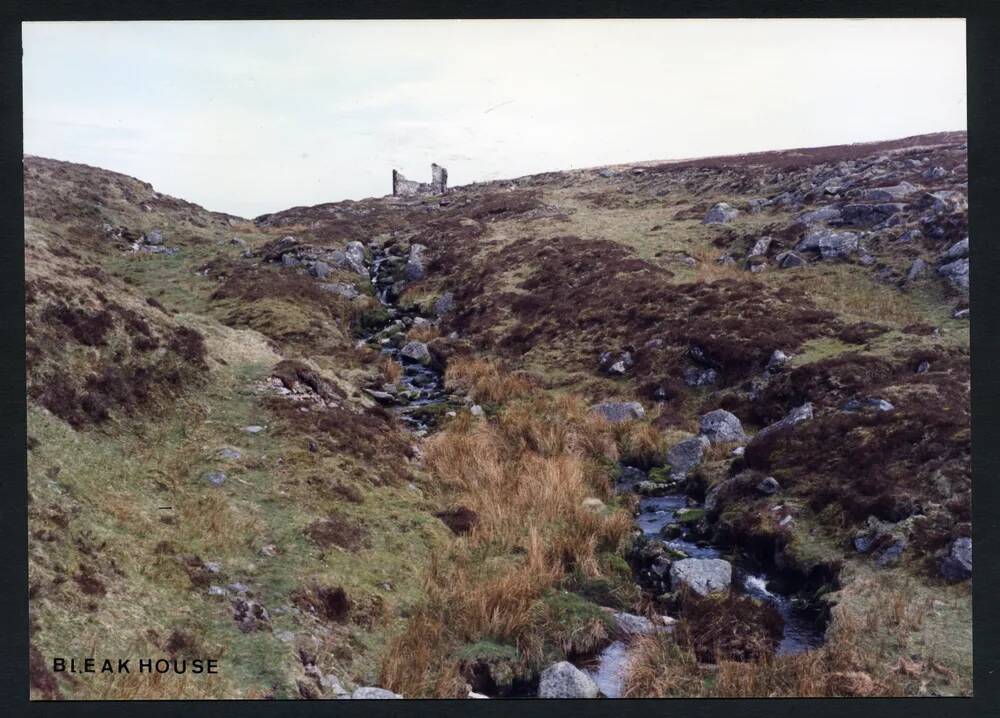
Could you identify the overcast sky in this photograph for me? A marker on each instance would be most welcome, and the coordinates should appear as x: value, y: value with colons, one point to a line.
x: 253, y: 117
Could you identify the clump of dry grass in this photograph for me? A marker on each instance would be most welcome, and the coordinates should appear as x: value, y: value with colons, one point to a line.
x: 390, y: 369
x: 709, y: 270
x: 525, y: 476
x: 423, y: 333
x: 485, y: 381
x: 641, y: 444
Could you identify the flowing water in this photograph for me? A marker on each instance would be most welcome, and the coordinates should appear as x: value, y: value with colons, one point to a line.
x: 801, y: 632
x: 421, y: 389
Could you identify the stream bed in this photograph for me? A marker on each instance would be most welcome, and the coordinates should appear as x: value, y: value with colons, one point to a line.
x: 417, y: 398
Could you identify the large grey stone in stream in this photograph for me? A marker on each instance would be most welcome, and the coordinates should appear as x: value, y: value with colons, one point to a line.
x: 414, y: 269
x: 958, y: 250
x: 687, y: 454
x: 721, y: 426
x: 416, y: 351
x: 956, y: 272
x: 355, y: 253
x: 957, y: 565
x: 795, y: 416
x: 720, y: 214
x: 368, y: 693
x: 829, y: 244
x: 616, y: 412
x: 564, y: 680
x: 701, y: 575
x: 629, y: 624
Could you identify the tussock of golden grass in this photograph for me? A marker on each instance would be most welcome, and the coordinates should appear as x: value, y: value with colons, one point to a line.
x: 485, y: 381
x: 390, y: 369
x: 641, y: 444
x: 525, y: 476
x: 423, y: 333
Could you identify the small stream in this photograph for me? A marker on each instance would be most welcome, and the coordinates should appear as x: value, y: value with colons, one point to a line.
x: 420, y: 391
x: 801, y: 632
x: 417, y: 399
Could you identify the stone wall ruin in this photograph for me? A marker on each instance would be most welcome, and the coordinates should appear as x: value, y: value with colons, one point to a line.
x: 402, y: 187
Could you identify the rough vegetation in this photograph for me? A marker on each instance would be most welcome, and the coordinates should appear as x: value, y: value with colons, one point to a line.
x: 220, y: 462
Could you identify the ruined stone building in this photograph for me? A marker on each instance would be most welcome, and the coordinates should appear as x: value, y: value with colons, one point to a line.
x: 402, y: 187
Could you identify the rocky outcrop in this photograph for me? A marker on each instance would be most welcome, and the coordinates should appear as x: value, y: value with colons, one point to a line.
x: 795, y: 416
x: 829, y: 243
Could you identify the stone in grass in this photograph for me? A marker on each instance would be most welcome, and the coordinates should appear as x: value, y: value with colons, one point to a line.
x: 720, y: 426
x: 215, y: 478
x: 228, y: 453
x: 564, y: 680
x: 252, y: 429
x: 617, y: 412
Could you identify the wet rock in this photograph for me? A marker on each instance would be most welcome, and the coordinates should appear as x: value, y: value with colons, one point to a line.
x: 370, y: 693
x: 687, y: 454
x: 702, y: 575
x: 720, y: 214
x: 655, y: 488
x: 617, y: 412
x: 829, y: 243
x: 417, y: 352
x: 629, y: 624
x: 795, y: 416
x: 215, y: 478
x: 414, y: 269
x: 355, y: 254
x: 958, y: 250
x: 564, y: 680
x: 957, y: 565
x: 871, y: 403
x: 769, y: 486
x: 721, y: 426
